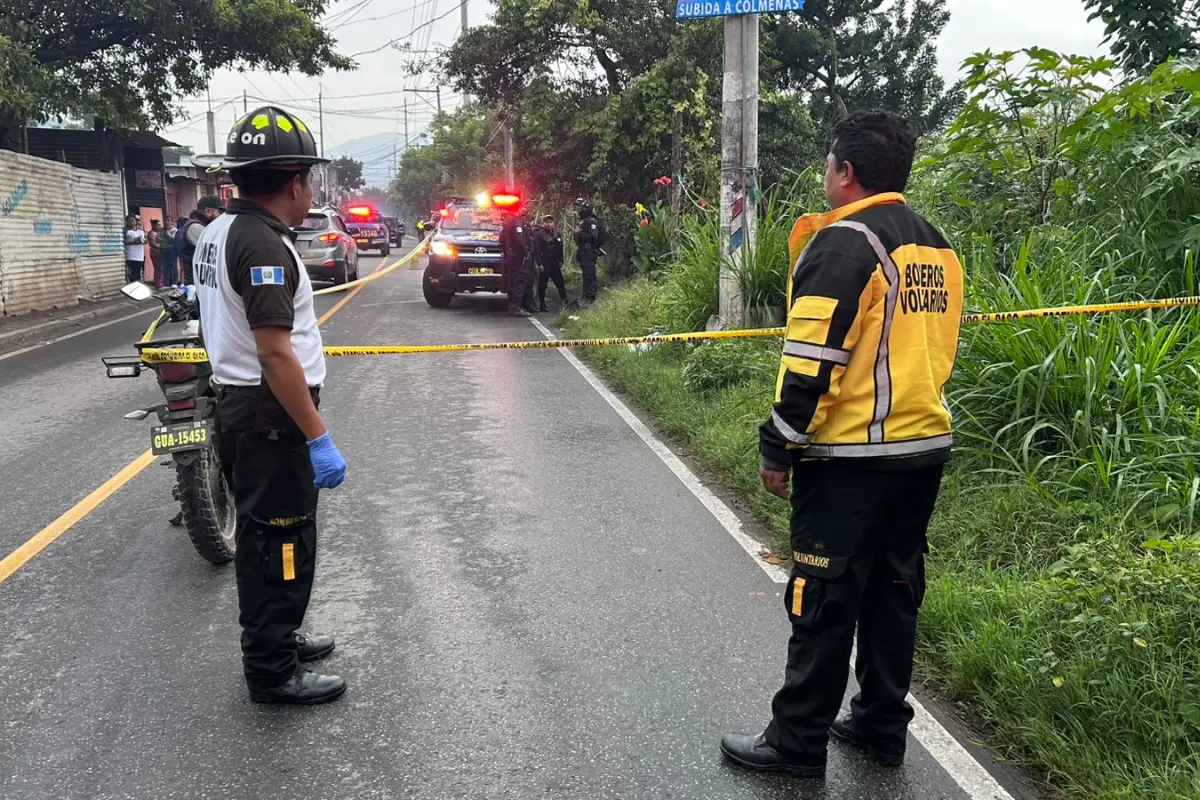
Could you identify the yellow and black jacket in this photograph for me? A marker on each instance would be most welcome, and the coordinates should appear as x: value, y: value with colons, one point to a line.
x: 875, y: 300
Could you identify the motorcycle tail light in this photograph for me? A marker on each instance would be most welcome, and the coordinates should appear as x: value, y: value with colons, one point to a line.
x: 177, y: 372
x: 180, y: 405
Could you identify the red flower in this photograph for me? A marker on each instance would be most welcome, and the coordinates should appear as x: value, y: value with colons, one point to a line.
x: 645, y: 221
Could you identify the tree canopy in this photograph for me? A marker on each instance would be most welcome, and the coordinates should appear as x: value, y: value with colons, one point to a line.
x: 349, y: 173
x: 126, y: 62
x: 1145, y: 33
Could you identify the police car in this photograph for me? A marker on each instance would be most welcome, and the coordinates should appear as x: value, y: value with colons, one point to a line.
x: 368, y: 229
x: 464, y: 250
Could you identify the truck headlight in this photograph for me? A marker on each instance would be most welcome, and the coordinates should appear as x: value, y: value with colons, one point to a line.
x: 442, y: 249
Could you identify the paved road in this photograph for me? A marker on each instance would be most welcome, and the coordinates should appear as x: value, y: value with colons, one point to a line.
x: 528, y: 602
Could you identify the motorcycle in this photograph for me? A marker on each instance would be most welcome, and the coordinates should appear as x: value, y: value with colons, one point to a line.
x: 186, y: 432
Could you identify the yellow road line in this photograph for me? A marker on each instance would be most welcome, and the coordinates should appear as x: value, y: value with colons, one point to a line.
x: 17, y: 558
x: 42, y: 539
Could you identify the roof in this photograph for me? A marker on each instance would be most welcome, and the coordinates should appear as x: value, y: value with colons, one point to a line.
x: 147, y: 139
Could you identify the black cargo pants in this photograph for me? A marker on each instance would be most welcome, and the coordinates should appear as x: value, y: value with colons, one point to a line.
x: 858, y: 541
x: 587, y: 265
x: 517, y: 275
x: 265, y: 459
x: 552, y: 272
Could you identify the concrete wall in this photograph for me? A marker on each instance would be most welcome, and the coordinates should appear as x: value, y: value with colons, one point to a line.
x: 60, y: 234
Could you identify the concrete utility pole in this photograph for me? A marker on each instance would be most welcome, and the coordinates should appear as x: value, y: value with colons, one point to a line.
x: 212, y: 125
x: 510, y: 181
x: 739, y: 161
x: 245, y: 103
x: 321, y: 127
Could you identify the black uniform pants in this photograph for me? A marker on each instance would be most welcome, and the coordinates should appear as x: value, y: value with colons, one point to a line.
x: 858, y: 541
x: 551, y: 273
x: 587, y: 265
x: 266, y: 462
x: 518, y: 282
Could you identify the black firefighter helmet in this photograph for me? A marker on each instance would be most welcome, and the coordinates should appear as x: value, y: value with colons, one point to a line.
x: 266, y: 137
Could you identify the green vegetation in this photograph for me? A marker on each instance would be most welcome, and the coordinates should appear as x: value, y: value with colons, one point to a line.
x: 1064, y: 598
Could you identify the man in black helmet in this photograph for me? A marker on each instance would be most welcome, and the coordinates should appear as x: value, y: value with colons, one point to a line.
x: 516, y: 248
x: 590, y: 234
x: 260, y: 330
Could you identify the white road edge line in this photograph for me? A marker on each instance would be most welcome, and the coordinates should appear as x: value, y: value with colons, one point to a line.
x: 959, y: 764
x: 64, y: 337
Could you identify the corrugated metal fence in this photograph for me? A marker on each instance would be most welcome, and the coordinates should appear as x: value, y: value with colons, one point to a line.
x: 60, y: 234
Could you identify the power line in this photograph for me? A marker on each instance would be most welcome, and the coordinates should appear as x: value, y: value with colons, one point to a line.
x: 420, y: 27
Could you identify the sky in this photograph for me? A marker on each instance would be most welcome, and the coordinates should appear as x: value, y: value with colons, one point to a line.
x: 421, y: 26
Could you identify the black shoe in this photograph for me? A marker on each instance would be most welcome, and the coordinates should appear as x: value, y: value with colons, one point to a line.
x: 846, y: 729
x: 516, y: 311
x: 313, y: 647
x: 543, y: 308
x: 302, y: 689
x: 753, y: 752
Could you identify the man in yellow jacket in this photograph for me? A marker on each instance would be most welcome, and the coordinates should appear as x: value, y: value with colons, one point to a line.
x: 861, y: 427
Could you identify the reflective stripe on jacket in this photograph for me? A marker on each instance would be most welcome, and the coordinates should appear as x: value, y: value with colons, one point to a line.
x: 875, y: 297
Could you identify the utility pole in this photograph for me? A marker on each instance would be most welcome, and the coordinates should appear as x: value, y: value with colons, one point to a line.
x: 212, y: 125
x: 739, y: 161
x: 676, y: 177
x: 438, y: 89
x: 245, y: 103
x: 406, y: 124
x: 510, y: 181
x: 463, y: 29
x: 321, y: 127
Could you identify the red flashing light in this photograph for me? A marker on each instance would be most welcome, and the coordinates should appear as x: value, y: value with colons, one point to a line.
x: 506, y: 200
x: 445, y: 212
x: 361, y: 211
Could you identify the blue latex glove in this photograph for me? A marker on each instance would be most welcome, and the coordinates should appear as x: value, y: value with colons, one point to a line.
x: 328, y: 465
x: 190, y: 291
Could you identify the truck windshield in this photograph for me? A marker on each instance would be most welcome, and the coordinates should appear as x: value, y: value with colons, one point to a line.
x: 468, y: 218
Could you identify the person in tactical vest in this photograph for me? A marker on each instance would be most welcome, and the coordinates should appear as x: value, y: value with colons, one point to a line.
x: 590, y: 234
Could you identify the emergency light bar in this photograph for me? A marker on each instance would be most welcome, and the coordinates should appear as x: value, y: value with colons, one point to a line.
x: 361, y: 211
x: 506, y: 200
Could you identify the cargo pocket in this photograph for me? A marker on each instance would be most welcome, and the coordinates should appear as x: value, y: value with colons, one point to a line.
x: 808, y: 324
x: 811, y: 596
x: 286, y: 548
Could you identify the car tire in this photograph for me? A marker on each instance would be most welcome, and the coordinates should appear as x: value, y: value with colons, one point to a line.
x: 434, y: 296
x: 385, y: 251
x: 354, y: 275
x: 338, y: 280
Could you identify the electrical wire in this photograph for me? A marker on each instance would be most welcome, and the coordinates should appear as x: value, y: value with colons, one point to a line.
x: 420, y: 27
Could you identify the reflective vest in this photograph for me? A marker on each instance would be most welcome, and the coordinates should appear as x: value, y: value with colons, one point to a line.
x: 875, y: 300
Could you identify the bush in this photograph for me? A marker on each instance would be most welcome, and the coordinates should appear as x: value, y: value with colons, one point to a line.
x: 722, y: 364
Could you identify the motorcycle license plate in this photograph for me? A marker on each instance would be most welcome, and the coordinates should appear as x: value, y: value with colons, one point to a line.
x: 180, y: 437
x: 480, y: 271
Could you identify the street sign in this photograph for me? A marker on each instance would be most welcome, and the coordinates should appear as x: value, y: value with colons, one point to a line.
x: 699, y: 9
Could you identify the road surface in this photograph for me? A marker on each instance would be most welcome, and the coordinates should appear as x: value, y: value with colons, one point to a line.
x: 528, y: 602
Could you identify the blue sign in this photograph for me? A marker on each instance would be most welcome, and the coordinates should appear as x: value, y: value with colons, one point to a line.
x: 699, y: 9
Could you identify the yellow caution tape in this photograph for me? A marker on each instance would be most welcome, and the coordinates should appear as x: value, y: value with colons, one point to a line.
x: 376, y: 275
x: 158, y: 356
x: 149, y: 334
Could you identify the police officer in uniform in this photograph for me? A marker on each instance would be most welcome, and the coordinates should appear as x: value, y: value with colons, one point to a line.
x: 590, y: 234
x: 516, y: 248
x: 260, y: 330
x: 548, y: 249
x: 861, y: 426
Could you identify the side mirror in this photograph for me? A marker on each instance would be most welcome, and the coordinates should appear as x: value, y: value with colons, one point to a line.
x: 137, y: 291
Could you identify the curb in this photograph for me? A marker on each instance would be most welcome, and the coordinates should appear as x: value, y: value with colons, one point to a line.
x: 50, y: 323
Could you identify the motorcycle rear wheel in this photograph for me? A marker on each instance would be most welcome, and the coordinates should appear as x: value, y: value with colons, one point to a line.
x: 209, y: 515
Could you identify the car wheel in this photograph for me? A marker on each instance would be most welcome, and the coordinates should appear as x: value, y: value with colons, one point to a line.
x: 385, y: 251
x: 354, y: 275
x: 338, y: 280
x: 435, y: 296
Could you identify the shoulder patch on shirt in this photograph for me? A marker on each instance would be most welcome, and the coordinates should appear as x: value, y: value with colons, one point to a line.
x: 266, y: 276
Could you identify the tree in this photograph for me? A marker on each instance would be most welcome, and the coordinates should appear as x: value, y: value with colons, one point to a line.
x: 462, y: 158
x: 1145, y: 33
x: 126, y: 61
x: 865, y: 54
x: 349, y: 173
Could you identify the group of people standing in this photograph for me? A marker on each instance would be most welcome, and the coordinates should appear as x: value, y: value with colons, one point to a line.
x: 170, y: 246
x: 533, y: 256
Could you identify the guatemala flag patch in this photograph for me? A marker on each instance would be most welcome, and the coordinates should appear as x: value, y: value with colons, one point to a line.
x: 266, y: 276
